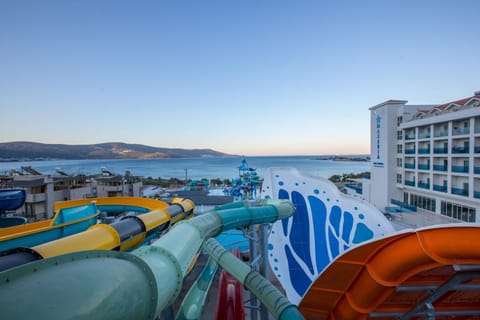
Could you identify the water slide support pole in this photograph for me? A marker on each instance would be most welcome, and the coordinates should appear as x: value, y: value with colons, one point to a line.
x: 265, y: 291
x: 264, y: 266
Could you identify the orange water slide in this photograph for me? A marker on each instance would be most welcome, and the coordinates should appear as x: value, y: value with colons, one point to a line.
x: 411, y: 275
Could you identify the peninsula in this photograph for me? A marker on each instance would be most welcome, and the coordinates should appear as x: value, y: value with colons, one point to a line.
x: 26, y: 150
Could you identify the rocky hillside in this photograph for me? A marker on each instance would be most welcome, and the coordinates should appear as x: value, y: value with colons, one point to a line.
x: 23, y: 150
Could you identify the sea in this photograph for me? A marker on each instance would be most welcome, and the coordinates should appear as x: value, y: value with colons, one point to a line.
x: 192, y: 168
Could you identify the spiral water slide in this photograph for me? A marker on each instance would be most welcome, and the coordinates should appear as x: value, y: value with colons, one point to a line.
x: 106, y: 284
x: 124, y: 234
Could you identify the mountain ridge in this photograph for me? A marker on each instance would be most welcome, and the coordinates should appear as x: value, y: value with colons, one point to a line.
x: 28, y: 150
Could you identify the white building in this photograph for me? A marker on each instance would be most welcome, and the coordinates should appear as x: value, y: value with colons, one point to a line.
x: 426, y: 158
x: 43, y: 191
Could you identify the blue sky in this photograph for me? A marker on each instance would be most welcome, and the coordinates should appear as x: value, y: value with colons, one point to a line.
x: 241, y: 77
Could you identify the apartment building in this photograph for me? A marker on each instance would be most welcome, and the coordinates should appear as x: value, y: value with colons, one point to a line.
x: 43, y: 191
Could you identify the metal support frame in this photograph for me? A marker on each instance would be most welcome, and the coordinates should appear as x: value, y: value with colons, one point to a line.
x: 425, y: 307
x: 253, y: 265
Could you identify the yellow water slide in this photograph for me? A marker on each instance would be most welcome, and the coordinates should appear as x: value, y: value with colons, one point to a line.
x: 124, y: 234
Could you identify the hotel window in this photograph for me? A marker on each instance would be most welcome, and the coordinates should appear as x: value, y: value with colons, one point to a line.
x: 399, y: 178
x: 399, y: 120
x: 399, y: 148
x: 422, y: 202
x: 399, y: 135
x: 399, y: 162
x: 457, y: 211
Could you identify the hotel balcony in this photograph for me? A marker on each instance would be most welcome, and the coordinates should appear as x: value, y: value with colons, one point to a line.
x: 409, y: 165
x: 440, y: 150
x: 460, y: 131
x: 460, y: 150
x: 424, y: 135
x: 410, y: 183
x: 440, y: 133
x: 424, y: 151
x: 423, y: 166
x: 409, y: 151
x: 460, y: 191
x: 439, y: 188
x: 424, y: 185
x: 439, y: 167
x: 460, y: 169
x: 409, y: 137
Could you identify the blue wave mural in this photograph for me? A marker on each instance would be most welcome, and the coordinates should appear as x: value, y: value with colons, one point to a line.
x: 325, y: 224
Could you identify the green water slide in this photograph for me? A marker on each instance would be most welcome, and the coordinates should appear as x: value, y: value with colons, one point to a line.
x: 118, y: 285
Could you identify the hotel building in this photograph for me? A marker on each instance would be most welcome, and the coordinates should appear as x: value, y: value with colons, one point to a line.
x: 426, y: 158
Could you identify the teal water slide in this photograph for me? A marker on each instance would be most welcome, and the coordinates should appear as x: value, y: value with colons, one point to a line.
x: 118, y: 285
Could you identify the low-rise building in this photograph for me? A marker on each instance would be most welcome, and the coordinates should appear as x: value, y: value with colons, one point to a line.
x: 44, y: 190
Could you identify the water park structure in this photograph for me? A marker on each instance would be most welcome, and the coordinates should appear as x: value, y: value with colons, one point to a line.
x: 335, y: 257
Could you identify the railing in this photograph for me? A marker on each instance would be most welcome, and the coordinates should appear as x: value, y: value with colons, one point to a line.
x: 409, y: 165
x: 442, y: 133
x: 409, y: 137
x: 409, y: 151
x: 439, y: 167
x: 440, y: 150
x: 403, y: 205
x: 460, y: 149
x: 424, y: 151
x: 460, y: 169
x: 425, y: 135
x: 459, y: 131
x: 424, y: 185
x: 439, y: 188
x: 423, y: 166
x: 460, y: 191
x: 410, y: 183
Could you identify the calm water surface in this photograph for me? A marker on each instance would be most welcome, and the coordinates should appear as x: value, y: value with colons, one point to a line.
x: 196, y: 168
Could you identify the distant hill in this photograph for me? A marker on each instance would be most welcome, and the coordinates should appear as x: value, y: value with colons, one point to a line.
x: 24, y: 150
